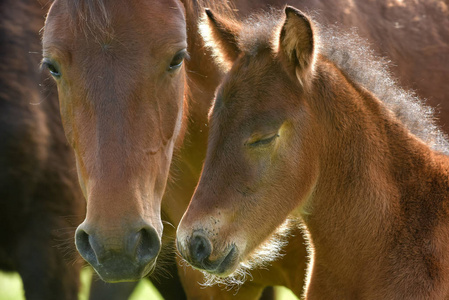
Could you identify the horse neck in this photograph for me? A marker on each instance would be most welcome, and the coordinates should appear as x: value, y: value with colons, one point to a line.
x: 203, y: 75
x: 370, y: 168
x: 202, y: 78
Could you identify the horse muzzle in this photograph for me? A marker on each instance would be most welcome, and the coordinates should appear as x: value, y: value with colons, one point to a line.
x: 119, y: 258
x: 198, y: 252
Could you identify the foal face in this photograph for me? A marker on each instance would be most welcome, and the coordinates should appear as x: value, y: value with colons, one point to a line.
x: 121, y: 89
x: 256, y: 157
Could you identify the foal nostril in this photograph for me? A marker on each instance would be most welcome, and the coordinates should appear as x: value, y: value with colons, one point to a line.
x: 200, y: 248
x: 84, y: 246
x: 147, y: 245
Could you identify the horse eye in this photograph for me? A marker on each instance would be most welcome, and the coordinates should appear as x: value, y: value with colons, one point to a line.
x: 263, y: 141
x: 52, y: 68
x: 177, y: 60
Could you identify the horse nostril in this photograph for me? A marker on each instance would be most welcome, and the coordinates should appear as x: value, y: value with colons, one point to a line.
x: 200, y: 247
x: 84, y: 246
x: 148, y: 244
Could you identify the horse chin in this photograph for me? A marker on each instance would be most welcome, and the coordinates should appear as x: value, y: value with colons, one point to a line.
x: 228, y: 265
x: 231, y: 278
x: 149, y: 269
x: 232, y: 272
x: 123, y: 273
x: 261, y: 257
x: 229, y: 272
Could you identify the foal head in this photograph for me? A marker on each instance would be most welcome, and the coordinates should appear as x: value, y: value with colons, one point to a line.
x: 120, y: 76
x: 261, y: 141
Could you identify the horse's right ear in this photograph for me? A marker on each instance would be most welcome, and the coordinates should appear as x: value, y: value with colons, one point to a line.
x: 221, y: 36
x: 297, y: 44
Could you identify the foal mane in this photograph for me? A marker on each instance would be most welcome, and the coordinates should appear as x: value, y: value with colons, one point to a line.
x: 355, y: 58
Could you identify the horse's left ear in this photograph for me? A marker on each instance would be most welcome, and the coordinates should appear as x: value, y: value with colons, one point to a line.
x: 297, y: 44
x: 220, y: 34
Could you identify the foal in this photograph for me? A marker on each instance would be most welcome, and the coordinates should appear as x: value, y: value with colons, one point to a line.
x: 295, y: 132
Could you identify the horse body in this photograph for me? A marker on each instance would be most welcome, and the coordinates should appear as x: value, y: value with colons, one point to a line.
x: 389, y: 200
x: 292, y: 135
x: 40, y: 197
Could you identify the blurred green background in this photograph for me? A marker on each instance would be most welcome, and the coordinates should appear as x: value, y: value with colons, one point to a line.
x: 11, y: 288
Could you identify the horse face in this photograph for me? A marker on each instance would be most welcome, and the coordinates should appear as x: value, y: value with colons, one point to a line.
x: 262, y: 142
x: 257, y: 152
x: 120, y: 76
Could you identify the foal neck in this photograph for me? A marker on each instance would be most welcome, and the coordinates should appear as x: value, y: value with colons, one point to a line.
x: 380, y: 196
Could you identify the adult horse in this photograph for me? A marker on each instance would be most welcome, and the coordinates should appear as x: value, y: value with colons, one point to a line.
x: 125, y: 105
x: 320, y: 131
x: 40, y: 196
x: 41, y: 203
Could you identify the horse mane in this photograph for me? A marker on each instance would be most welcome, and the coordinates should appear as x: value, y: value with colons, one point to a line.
x: 357, y: 60
x: 354, y: 56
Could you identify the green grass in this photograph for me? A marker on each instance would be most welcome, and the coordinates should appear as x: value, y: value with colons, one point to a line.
x: 283, y: 293
x: 11, y: 289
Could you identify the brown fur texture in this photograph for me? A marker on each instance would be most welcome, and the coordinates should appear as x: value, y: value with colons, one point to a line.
x: 41, y: 203
x: 288, y: 140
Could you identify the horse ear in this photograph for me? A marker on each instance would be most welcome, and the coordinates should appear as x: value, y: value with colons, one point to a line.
x: 221, y: 36
x: 297, y: 44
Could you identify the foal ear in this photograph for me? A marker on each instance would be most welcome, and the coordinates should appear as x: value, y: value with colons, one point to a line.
x: 297, y: 44
x: 221, y: 36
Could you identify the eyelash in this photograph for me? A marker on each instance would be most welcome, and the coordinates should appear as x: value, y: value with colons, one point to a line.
x: 51, y: 68
x: 178, y: 60
x: 263, y: 141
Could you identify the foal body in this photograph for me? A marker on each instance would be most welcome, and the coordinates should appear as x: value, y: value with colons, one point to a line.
x: 293, y: 135
x: 377, y: 219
